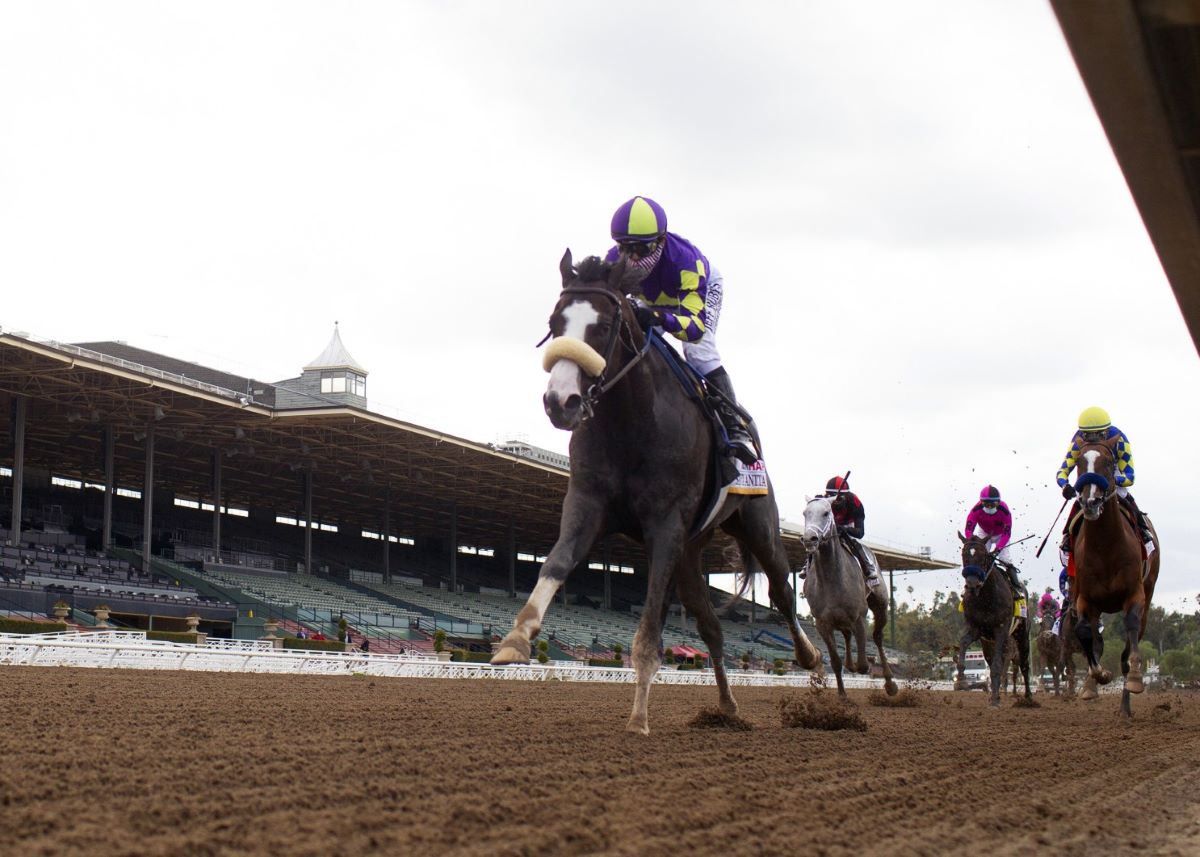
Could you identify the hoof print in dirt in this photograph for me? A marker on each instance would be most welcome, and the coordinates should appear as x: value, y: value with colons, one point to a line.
x: 1022, y: 702
x: 711, y: 718
x: 905, y: 698
x: 820, y: 709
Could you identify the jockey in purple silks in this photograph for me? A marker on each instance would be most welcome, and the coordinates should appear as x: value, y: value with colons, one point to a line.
x: 991, y: 518
x: 681, y: 293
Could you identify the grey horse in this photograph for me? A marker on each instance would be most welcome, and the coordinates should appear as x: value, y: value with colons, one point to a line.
x: 839, y: 597
x: 641, y: 465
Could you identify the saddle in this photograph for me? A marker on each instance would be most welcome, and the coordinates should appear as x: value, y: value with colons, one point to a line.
x: 731, y: 475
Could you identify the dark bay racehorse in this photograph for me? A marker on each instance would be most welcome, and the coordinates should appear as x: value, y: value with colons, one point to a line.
x: 988, y: 616
x: 838, y: 595
x: 1111, y: 575
x: 1050, y: 650
x: 641, y: 462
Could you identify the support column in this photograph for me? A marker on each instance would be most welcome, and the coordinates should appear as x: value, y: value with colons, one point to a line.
x: 753, y: 598
x: 217, y: 500
x: 607, y: 560
x: 454, y: 546
x: 512, y: 561
x: 892, y: 603
x: 18, y: 471
x: 308, y: 520
x: 148, y: 501
x: 110, y: 488
x: 387, y: 532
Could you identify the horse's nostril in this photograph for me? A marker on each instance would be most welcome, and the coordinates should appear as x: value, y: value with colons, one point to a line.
x: 572, y: 403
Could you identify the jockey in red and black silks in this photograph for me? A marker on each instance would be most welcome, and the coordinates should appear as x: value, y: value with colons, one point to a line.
x: 849, y: 515
x: 680, y: 292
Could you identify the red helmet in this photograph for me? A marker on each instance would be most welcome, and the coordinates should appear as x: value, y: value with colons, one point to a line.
x: 837, y: 485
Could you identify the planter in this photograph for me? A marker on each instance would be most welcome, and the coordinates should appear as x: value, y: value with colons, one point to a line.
x: 61, y: 613
x: 193, y: 623
x: 443, y: 656
x: 270, y: 627
x: 102, y: 614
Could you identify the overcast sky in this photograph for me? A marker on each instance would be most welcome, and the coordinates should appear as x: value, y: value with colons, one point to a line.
x: 932, y: 261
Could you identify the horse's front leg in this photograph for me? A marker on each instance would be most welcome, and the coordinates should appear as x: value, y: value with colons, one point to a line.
x: 829, y: 635
x: 1131, y: 661
x: 860, y: 640
x: 1092, y: 646
x: 689, y: 583
x: 1023, y: 651
x: 999, y: 663
x: 581, y: 523
x: 968, y: 638
x: 663, y: 550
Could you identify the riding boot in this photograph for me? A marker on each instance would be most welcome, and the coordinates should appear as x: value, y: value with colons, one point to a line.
x: 1014, y: 580
x: 868, y: 567
x: 1129, y: 503
x: 741, y: 444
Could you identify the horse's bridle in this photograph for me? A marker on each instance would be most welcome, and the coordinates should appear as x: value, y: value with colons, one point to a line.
x: 600, y: 384
x: 981, y: 572
x: 827, y: 531
x: 1107, y: 485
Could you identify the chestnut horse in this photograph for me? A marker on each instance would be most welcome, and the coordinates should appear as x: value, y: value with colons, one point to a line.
x: 988, y: 616
x: 642, y: 466
x: 1112, y: 574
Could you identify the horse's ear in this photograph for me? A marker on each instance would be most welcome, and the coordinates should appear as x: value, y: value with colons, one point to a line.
x: 566, y: 267
x: 962, y: 538
x: 807, y: 499
x: 616, y: 274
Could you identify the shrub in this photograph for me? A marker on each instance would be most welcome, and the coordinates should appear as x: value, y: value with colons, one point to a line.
x: 605, y: 662
x: 618, y: 650
x: 543, y: 658
x: 439, y: 640
x: 343, y: 629
x: 25, y: 626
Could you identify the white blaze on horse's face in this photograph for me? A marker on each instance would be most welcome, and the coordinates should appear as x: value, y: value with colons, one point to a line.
x: 566, y: 379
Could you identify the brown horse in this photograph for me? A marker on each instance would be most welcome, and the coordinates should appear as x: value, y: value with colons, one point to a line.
x: 1111, y: 573
x: 1051, y: 655
x: 988, y: 616
x: 641, y: 465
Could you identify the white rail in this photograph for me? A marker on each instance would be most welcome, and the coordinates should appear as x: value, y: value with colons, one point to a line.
x: 131, y: 650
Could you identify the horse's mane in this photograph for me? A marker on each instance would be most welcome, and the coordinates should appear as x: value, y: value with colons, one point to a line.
x: 594, y: 268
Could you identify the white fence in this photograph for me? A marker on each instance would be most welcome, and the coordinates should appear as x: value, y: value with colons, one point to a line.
x: 131, y: 650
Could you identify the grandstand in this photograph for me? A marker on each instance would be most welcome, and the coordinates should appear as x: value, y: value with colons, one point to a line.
x: 179, y: 489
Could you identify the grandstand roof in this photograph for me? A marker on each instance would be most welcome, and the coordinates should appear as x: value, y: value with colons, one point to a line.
x: 1138, y: 61
x: 358, y: 457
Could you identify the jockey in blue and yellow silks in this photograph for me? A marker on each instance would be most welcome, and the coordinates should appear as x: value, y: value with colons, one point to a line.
x: 1095, y: 426
x: 681, y: 293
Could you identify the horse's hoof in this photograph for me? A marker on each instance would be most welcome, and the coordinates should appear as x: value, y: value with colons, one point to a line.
x: 638, y: 726
x: 1089, y: 689
x: 890, y: 688
x: 513, y: 650
x: 1104, y: 677
x: 862, y: 669
x: 994, y: 703
x: 1133, y: 683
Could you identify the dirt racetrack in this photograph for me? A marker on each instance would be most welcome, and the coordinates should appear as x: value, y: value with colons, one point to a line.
x: 140, y: 762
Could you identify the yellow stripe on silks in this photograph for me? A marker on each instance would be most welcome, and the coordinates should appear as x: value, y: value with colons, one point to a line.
x: 641, y: 218
x: 577, y: 351
x: 692, y: 303
x: 689, y: 281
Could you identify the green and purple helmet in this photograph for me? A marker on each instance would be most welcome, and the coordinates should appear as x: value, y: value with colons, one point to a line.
x: 640, y: 219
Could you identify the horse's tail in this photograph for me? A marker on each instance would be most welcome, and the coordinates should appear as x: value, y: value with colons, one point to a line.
x: 746, y: 567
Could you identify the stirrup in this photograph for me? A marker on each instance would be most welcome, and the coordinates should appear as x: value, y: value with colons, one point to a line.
x: 744, y: 451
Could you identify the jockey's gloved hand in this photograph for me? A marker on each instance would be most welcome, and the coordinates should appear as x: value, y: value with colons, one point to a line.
x: 646, y: 317
x: 1068, y: 491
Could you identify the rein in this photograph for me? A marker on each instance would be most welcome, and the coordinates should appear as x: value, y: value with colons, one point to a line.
x: 601, y: 385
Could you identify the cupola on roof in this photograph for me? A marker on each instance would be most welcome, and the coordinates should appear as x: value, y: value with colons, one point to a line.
x: 335, y: 356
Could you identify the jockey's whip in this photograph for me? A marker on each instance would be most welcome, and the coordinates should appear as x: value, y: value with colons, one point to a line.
x: 1052, y: 526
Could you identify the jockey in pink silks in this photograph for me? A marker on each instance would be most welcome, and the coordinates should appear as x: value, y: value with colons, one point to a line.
x: 991, y: 519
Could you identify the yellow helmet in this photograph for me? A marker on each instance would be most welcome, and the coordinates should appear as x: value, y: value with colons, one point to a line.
x: 1094, y: 419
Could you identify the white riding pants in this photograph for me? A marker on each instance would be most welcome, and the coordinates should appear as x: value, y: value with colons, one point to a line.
x: 702, y: 354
